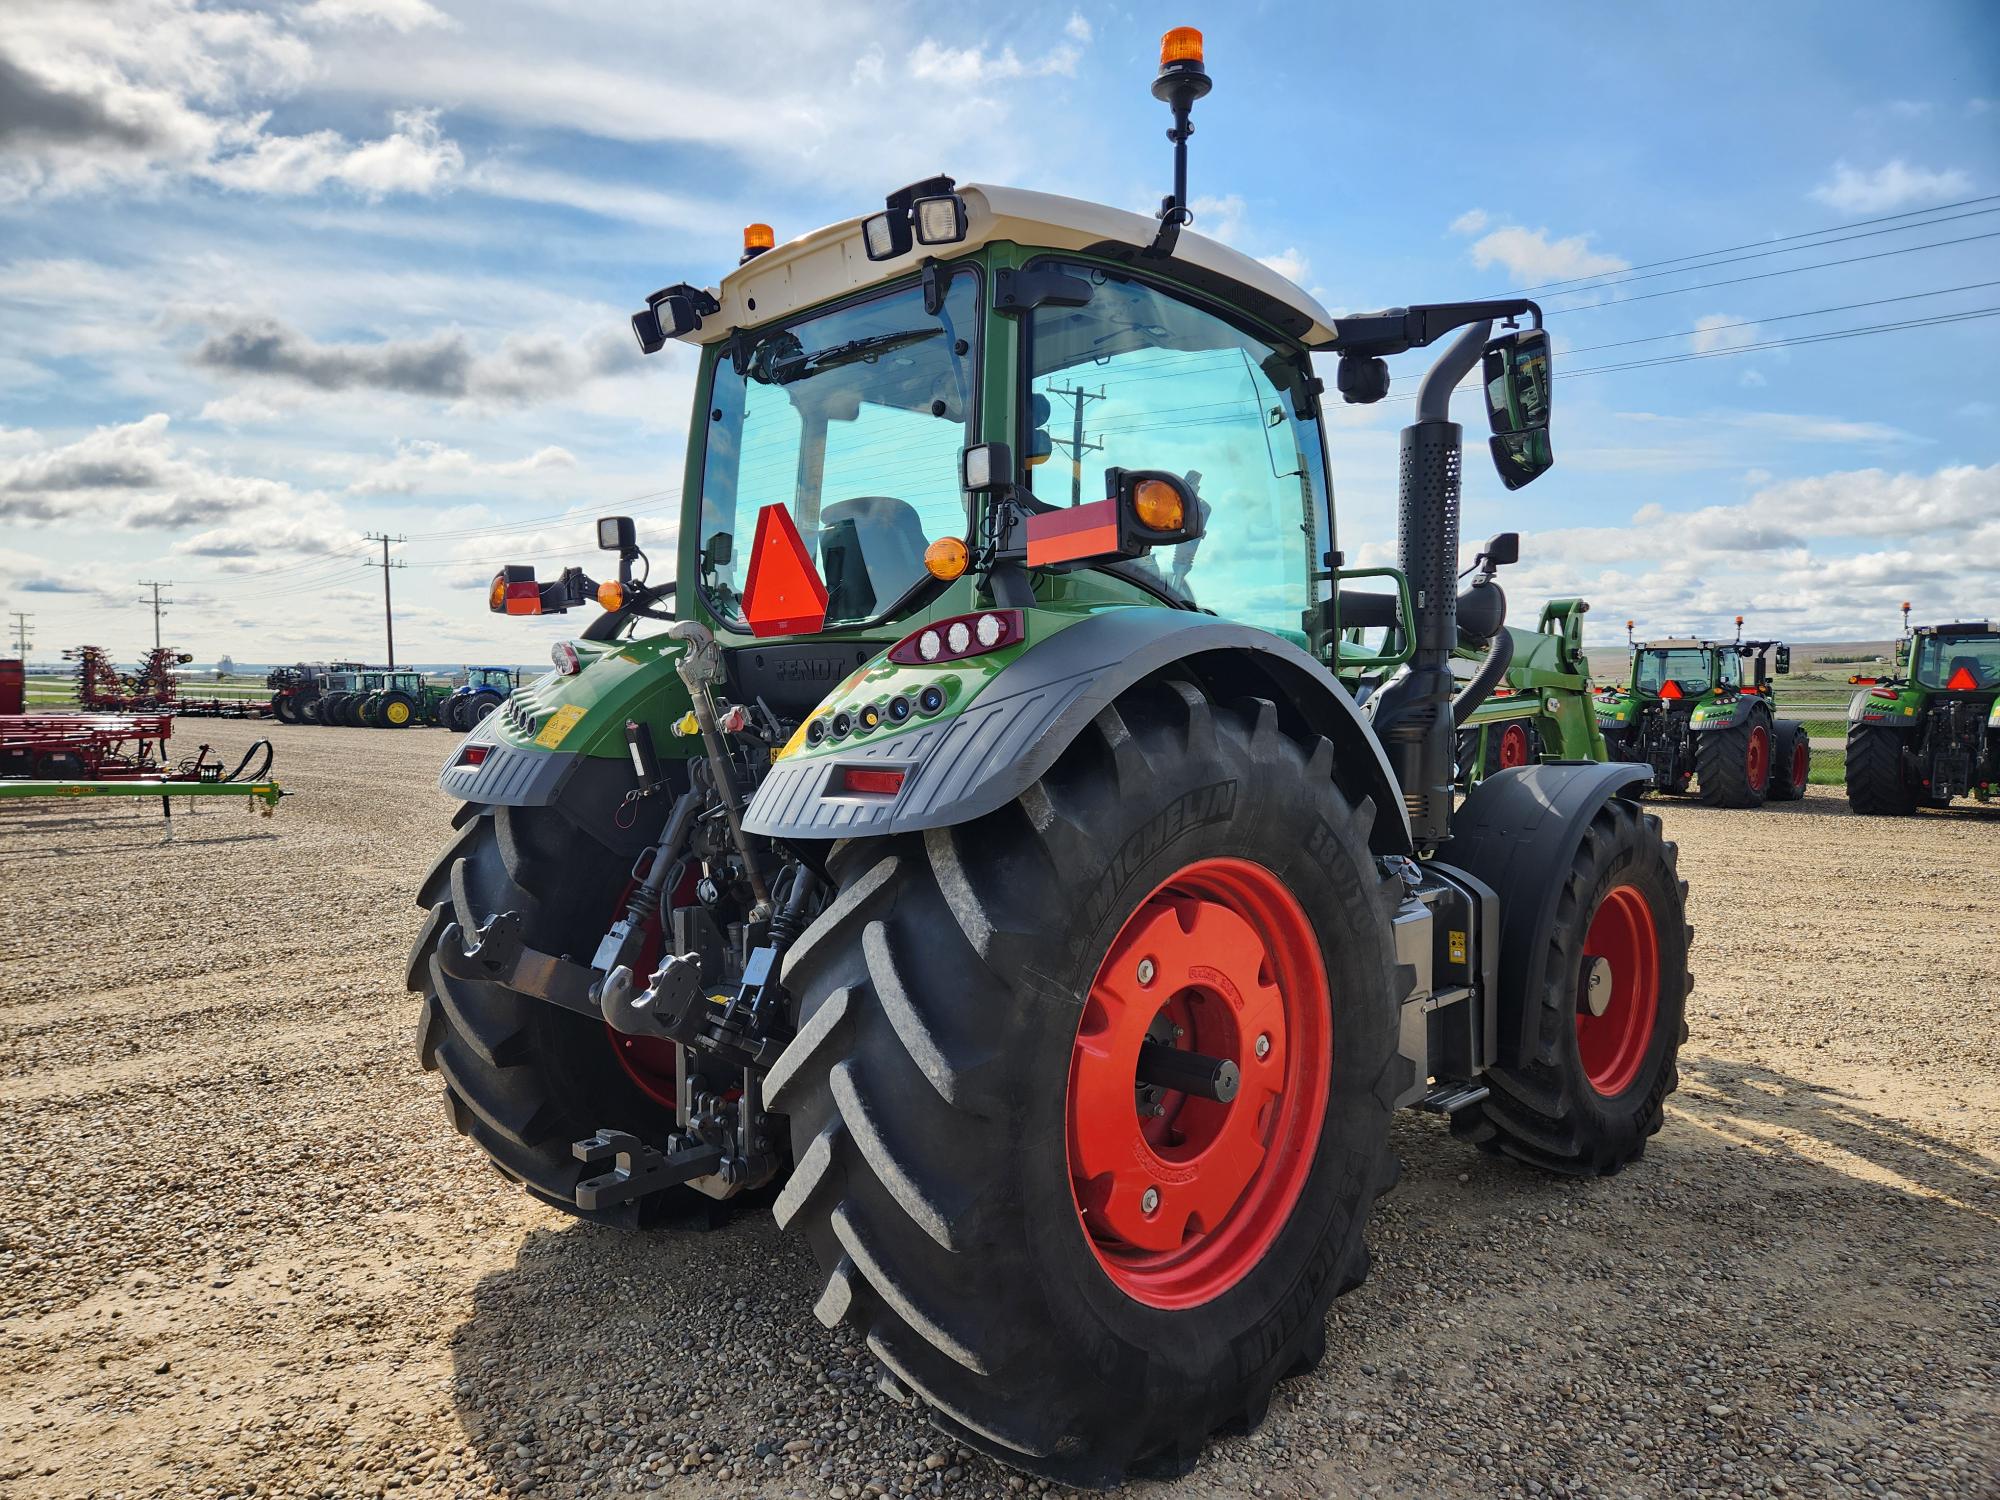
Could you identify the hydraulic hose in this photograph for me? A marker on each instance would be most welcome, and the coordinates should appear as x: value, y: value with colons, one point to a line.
x: 697, y: 664
x: 1479, y: 687
x: 263, y: 768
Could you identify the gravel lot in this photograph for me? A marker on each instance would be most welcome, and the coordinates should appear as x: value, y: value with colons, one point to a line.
x: 241, y: 1251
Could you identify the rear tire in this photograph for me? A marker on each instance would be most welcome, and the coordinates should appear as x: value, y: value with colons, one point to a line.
x: 1791, y: 760
x: 524, y: 1078
x: 933, y: 1092
x: 395, y: 711
x: 284, y: 708
x: 1875, y: 784
x: 1733, y: 766
x: 1591, y: 1092
x: 477, y: 708
x: 309, y: 711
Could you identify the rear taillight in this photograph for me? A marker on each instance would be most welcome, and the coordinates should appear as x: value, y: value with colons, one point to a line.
x: 959, y: 637
x: 1883, y: 692
x: 864, y: 781
x: 473, y: 755
x: 563, y: 654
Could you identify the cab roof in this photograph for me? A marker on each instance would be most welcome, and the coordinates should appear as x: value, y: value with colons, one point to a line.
x: 831, y: 262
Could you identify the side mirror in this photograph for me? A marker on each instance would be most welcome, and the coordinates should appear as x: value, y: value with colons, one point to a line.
x: 1784, y: 661
x: 616, y: 534
x: 1503, y: 550
x: 1518, y: 377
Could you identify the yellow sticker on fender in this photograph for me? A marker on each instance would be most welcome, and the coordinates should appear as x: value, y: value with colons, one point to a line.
x: 561, y: 722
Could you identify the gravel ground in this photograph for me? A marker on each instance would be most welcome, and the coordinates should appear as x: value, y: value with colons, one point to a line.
x: 241, y: 1252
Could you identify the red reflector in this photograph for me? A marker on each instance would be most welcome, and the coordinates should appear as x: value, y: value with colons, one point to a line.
x: 783, y: 593
x: 473, y: 755
x: 1962, y: 681
x: 859, y: 781
x: 524, y: 598
x: 1077, y: 532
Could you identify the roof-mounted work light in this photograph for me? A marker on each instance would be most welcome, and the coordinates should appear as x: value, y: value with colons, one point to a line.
x: 930, y: 212
x: 671, y: 312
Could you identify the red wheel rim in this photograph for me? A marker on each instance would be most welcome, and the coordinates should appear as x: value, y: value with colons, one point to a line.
x: 1757, y: 757
x: 1622, y: 956
x: 1513, y: 747
x: 1801, y: 761
x: 1220, y: 960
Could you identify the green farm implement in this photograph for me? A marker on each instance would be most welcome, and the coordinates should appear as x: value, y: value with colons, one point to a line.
x: 1543, y: 709
x: 988, y: 865
x: 1931, y: 731
x: 1687, y: 712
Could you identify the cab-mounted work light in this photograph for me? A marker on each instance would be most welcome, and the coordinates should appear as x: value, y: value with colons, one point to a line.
x: 928, y: 212
x: 671, y: 312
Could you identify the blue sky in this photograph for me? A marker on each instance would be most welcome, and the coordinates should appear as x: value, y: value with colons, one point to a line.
x: 274, y: 277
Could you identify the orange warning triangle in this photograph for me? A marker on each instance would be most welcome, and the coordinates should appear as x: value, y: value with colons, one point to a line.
x: 783, y: 594
x: 1962, y: 681
x: 1670, y: 689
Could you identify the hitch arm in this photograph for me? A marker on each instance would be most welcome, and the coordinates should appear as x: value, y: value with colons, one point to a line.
x: 498, y: 954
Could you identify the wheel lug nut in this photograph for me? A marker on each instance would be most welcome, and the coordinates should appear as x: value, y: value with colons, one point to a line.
x: 1146, y: 971
x: 1264, y: 1046
x: 1179, y: 1032
x: 1149, y: 1200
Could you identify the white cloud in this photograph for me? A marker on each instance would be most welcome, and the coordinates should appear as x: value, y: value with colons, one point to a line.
x: 1751, y: 379
x: 933, y: 62
x: 1470, y: 222
x: 1076, y: 28
x: 420, y: 465
x: 392, y: 15
x: 1220, y: 218
x: 1531, y: 256
x: 610, y: 200
x: 1290, y: 264
x: 1889, y: 187
x: 414, y: 158
x: 1721, y: 331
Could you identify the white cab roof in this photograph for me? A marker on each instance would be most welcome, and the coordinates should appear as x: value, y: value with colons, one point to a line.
x: 831, y: 262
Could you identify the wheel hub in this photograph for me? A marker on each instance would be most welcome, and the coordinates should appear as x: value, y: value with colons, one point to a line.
x: 1198, y: 1082
x: 1618, y: 991
x: 1597, y: 984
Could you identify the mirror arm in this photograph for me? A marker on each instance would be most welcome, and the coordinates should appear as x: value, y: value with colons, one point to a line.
x: 1434, y: 395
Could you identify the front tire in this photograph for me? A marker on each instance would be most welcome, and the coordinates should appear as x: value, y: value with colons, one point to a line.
x: 524, y: 1078
x: 284, y: 708
x: 959, y: 1066
x: 395, y: 711
x: 1791, y: 760
x: 1590, y: 1091
x: 1733, y: 766
x: 1875, y: 783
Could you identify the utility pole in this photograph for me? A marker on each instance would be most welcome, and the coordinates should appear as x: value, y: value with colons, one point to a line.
x: 22, y: 643
x: 158, y: 608
x: 1078, y: 397
x: 388, y: 615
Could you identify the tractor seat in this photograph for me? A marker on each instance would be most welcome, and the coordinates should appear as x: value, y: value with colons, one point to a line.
x: 871, y: 551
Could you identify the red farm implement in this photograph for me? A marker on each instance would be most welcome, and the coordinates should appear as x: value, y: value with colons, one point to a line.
x: 121, y: 755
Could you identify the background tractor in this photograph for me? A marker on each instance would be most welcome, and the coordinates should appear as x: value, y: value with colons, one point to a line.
x: 294, y: 687
x: 1931, y: 731
x: 395, y: 703
x: 483, y: 691
x: 1687, y: 712
x: 1543, y: 707
x: 991, y: 868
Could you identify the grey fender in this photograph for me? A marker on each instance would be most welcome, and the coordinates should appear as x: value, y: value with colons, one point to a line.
x: 1741, y: 711
x: 1518, y: 832
x: 1012, y: 733
x: 1857, y: 713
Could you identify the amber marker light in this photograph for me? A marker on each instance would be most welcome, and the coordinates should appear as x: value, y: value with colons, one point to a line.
x: 611, y: 595
x: 1156, y: 503
x: 947, y: 558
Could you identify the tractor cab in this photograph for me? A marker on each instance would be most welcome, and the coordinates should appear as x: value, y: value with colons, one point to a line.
x: 1961, y: 658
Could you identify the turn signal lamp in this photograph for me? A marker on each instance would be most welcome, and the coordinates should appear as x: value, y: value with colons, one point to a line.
x: 947, y: 558
x: 611, y: 595
x: 757, y: 238
x: 1181, y: 45
x: 1155, y: 502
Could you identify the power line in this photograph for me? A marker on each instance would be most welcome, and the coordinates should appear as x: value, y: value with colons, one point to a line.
x: 1654, y: 338
x: 1079, y: 398
x: 1702, y: 286
x: 158, y: 608
x: 388, y: 614
x: 1766, y: 247
x: 22, y: 643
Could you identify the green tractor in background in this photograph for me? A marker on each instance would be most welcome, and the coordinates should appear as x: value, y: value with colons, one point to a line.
x: 482, y: 692
x: 1686, y: 712
x: 394, y: 701
x: 341, y: 688
x: 1931, y: 731
x: 991, y: 869
x: 1544, y: 707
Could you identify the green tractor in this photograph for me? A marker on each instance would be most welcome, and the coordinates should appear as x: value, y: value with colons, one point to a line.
x: 992, y: 874
x: 1931, y: 731
x: 395, y: 701
x: 1688, y: 714
x: 1543, y: 708
x: 341, y: 688
x: 482, y: 692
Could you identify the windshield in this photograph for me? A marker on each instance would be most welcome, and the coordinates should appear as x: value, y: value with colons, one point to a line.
x: 1958, y: 663
x: 1686, y: 669
x: 853, y: 421
x: 1143, y: 380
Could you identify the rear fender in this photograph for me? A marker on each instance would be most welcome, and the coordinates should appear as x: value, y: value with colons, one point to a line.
x: 1518, y: 831
x: 1900, y: 712
x: 1027, y: 714
x: 1725, y: 713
